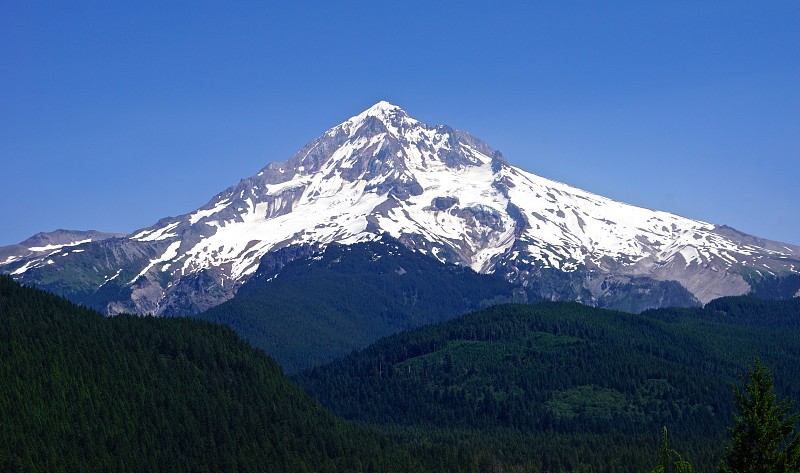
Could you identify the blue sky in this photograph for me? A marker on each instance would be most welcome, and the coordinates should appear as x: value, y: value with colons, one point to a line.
x: 115, y: 114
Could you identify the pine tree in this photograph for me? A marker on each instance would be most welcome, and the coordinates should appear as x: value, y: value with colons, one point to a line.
x: 763, y: 431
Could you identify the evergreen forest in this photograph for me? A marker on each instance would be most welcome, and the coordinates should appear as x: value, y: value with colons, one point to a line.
x: 321, y: 308
x: 546, y: 376
x: 83, y: 393
x: 522, y: 388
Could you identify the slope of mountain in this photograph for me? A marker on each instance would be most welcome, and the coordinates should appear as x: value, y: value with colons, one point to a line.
x: 324, y: 306
x: 559, y: 369
x: 439, y: 191
x: 40, y: 246
x: 81, y: 392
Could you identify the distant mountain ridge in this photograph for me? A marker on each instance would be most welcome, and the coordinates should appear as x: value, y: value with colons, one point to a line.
x: 437, y: 190
x: 46, y: 242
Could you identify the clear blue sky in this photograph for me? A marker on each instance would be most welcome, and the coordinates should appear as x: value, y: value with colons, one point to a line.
x: 115, y: 114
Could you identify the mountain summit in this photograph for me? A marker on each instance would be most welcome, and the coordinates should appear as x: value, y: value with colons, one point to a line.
x: 439, y: 191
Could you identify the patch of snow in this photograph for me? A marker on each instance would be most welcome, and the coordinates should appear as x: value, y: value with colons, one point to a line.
x: 690, y: 255
x: 56, y: 247
x: 171, y: 252
x: 200, y: 214
x: 28, y: 265
x: 157, y: 234
x: 109, y: 279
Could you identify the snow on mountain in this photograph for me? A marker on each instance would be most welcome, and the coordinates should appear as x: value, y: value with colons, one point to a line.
x: 441, y: 192
x: 37, y: 248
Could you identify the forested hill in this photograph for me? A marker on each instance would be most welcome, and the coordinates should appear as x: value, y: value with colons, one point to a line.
x: 523, y: 388
x: 319, y: 308
x: 565, y: 371
x: 80, y: 392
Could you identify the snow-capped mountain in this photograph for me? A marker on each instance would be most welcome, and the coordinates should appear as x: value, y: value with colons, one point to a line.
x: 439, y: 191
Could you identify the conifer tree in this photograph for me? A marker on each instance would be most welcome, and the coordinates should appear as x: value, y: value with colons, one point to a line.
x: 763, y: 433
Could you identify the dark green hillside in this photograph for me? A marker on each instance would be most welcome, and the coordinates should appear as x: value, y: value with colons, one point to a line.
x: 568, y: 374
x: 79, y: 392
x: 775, y: 287
x: 325, y: 307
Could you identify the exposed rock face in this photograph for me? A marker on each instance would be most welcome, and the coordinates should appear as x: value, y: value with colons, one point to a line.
x: 439, y: 191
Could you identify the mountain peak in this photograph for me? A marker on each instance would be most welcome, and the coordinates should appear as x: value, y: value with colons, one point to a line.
x: 381, y: 108
x: 391, y: 116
